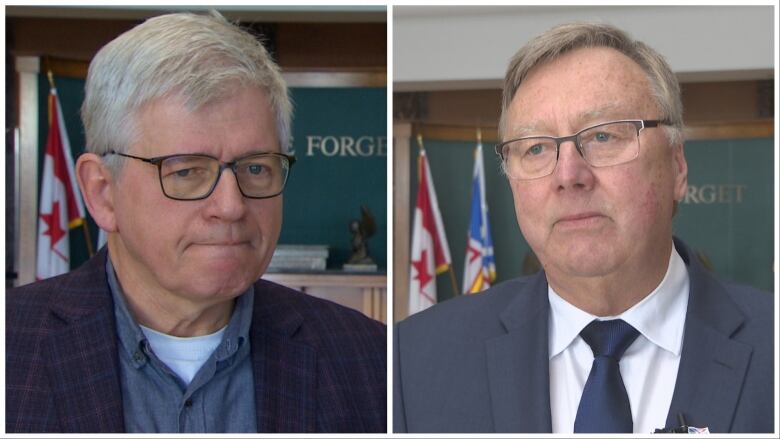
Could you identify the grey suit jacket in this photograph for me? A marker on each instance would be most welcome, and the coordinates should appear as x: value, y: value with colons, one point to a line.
x: 479, y: 363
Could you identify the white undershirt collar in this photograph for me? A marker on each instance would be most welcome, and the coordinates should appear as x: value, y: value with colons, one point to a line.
x: 183, y: 355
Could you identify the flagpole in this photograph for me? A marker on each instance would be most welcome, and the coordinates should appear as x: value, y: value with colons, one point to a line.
x: 422, y: 148
x: 90, y: 250
x: 454, y: 282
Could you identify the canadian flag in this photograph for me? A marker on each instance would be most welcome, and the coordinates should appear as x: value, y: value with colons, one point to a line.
x: 430, y: 251
x: 61, y: 207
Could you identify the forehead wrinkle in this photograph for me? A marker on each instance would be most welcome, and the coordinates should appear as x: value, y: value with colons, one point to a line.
x: 605, y: 113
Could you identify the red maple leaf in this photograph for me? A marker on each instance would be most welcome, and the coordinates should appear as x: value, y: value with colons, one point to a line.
x: 52, y: 220
x: 421, y: 266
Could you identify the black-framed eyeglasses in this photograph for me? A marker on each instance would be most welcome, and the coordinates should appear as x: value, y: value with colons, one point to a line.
x: 189, y: 177
x: 605, y: 144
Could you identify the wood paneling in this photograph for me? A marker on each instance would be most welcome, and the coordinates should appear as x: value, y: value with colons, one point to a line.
x: 75, y: 39
x: 402, y: 199
x: 311, y: 46
x: 703, y: 103
x: 328, y: 45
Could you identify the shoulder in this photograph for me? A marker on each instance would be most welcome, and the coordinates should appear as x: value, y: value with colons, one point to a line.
x: 726, y: 303
x: 757, y: 307
x: 752, y: 301
x: 69, y: 295
x: 27, y: 304
x: 469, y: 313
x: 40, y: 308
x: 36, y: 315
x: 716, y: 299
x: 27, y: 314
x: 319, y: 321
x: 31, y: 297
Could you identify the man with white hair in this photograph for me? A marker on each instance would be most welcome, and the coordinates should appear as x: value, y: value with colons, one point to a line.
x: 168, y: 328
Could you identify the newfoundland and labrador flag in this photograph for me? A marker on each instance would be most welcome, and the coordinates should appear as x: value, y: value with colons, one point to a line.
x: 61, y: 207
x: 480, y: 266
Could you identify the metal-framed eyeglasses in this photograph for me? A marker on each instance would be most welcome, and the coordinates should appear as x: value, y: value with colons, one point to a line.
x: 188, y: 177
x: 602, y: 145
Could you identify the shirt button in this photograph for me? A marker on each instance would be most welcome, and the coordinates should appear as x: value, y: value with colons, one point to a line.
x: 188, y: 403
x: 138, y: 356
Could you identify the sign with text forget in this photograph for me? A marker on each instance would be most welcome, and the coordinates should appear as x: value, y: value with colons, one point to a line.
x: 340, y: 146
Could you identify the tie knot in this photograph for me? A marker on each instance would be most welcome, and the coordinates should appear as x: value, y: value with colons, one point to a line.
x: 609, y: 338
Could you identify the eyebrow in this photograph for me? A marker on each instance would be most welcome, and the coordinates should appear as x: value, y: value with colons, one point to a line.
x: 599, y: 113
x: 582, y: 120
x: 524, y: 131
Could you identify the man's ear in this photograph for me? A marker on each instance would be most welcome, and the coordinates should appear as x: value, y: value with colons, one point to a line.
x: 96, y: 183
x: 681, y: 173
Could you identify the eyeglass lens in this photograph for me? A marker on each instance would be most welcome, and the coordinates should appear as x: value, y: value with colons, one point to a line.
x: 603, y: 145
x: 192, y: 177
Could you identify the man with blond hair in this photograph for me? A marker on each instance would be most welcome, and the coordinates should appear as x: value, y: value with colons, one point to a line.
x: 169, y: 327
x: 623, y: 330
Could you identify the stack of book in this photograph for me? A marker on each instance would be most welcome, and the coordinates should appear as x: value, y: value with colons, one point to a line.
x: 289, y: 257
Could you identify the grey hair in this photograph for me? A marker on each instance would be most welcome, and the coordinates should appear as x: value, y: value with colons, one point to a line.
x: 200, y: 58
x: 568, y: 37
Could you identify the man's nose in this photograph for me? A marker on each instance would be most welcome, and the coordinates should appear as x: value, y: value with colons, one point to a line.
x: 572, y: 170
x: 227, y: 201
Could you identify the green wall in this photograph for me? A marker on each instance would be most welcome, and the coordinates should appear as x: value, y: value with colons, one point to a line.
x: 728, y: 212
x: 727, y: 215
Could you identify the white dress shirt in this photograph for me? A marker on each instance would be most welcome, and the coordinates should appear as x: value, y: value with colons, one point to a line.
x: 648, y: 367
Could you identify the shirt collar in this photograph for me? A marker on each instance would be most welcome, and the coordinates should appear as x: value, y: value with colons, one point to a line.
x: 132, y: 338
x: 237, y: 332
x: 660, y: 316
x: 130, y: 335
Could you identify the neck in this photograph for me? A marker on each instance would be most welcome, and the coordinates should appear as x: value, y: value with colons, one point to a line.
x: 612, y: 293
x: 153, y: 306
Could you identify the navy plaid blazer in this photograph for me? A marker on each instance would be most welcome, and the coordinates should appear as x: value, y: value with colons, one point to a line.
x: 318, y: 366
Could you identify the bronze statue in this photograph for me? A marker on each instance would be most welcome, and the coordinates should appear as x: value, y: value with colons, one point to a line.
x: 362, y: 230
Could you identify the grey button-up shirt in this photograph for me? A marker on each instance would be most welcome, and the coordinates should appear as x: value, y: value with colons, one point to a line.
x: 221, y: 396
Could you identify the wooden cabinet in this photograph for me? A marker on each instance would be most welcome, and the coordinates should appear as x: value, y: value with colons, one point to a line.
x: 366, y: 293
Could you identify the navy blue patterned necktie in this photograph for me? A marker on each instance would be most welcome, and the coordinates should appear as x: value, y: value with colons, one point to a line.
x: 604, y: 406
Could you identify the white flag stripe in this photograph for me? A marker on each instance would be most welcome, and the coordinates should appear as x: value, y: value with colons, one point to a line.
x: 430, y: 251
x: 68, y: 157
x: 52, y: 259
x: 437, y: 214
x: 58, y: 190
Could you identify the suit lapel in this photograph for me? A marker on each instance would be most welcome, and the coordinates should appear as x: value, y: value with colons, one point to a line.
x: 518, y: 364
x: 284, y: 370
x: 81, y: 354
x: 712, y: 366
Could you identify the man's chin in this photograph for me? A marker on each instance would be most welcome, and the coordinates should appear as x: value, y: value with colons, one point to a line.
x: 224, y: 276
x: 220, y: 286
